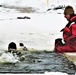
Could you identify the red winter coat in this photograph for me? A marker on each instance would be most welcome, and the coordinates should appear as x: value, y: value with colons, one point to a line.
x: 69, y: 35
x: 70, y: 29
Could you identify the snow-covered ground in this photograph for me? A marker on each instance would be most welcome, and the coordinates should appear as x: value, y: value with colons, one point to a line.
x: 45, y: 24
x: 39, y: 5
x: 39, y: 32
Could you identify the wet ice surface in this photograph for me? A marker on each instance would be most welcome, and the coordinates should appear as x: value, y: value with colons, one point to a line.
x: 39, y: 63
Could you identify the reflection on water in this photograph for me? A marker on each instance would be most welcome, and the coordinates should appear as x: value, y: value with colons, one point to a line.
x: 40, y: 62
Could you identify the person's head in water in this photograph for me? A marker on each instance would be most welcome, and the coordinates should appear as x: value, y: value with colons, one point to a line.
x: 12, y: 45
x: 68, y: 11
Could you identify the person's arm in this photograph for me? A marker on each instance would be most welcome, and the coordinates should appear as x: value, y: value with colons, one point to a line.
x: 72, y: 37
x: 66, y: 33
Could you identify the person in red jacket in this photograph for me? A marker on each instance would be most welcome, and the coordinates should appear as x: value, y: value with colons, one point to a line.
x: 69, y: 33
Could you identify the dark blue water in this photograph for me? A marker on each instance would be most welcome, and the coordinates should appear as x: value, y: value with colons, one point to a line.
x: 39, y: 63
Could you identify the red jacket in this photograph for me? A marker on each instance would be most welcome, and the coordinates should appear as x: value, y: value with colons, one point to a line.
x: 69, y: 32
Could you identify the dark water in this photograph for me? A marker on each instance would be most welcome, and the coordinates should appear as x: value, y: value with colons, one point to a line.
x: 39, y: 63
